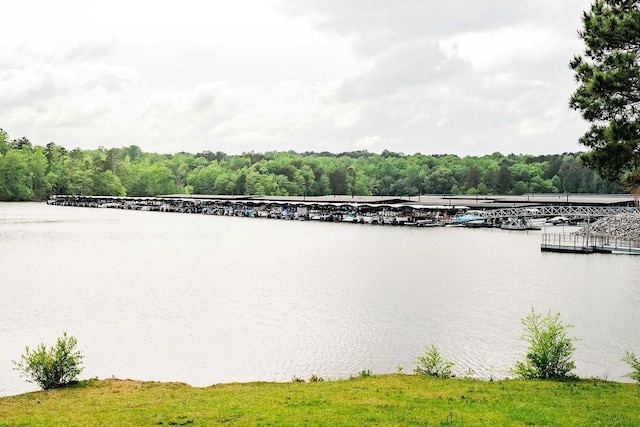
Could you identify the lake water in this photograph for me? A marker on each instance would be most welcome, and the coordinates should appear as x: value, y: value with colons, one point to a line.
x: 208, y: 299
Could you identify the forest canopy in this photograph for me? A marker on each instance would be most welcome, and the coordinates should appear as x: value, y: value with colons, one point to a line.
x: 31, y: 172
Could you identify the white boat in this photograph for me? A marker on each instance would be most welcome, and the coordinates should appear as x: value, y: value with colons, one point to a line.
x: 365, y: 219
x: 401, y: 219
x: 478, y: 223
x: 319, y: 217
x: 110, y: 205
x: 558, y: 220
x: 468, y: 216
x: 537, y: 222
x: 514, y: 224
x: 428, y: 223
x: 350, y: 217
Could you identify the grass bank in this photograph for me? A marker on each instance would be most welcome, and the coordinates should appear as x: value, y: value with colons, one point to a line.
x: 401, y: 400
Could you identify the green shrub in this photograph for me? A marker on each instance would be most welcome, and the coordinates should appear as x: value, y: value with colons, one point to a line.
x: 433, y: 364
x: 52, y: 368
x: 550, y: 352
x: 315, y: 379
x: 632, y: 360
x: 365, y: 373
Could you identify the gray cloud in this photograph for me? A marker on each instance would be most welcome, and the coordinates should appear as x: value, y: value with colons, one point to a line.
x: 374, y: 25
x: 467, y: 76
x: 84, y: 50
x: 405, y: 66
x: 459, y: 76
x: 26, y: 86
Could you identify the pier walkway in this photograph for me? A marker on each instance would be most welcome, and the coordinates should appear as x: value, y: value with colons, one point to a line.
x: 575, y: 212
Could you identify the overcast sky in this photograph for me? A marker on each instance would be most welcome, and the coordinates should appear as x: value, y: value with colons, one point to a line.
x: 466, y: 77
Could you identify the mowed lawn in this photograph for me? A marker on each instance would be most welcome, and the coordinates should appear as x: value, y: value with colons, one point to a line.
x: 385, y: 400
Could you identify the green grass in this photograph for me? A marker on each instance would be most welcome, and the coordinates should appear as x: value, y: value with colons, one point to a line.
x: 389, y: 400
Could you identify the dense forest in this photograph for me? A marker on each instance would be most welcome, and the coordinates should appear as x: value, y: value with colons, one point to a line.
x: 31, y: 172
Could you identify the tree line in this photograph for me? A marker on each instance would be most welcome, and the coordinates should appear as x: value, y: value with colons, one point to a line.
x: 32, y: 172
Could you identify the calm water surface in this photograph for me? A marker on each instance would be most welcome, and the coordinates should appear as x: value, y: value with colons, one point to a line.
x: 207, y: 299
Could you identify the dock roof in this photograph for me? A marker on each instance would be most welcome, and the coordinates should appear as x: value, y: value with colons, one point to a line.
x: 443, y: 200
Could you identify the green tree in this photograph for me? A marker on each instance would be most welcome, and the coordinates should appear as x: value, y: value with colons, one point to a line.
x: 56, y: 367
x: 57, y: 173
x: 38, y: 169
x: 608, y: 94
x: 4, y: 144
x: 440, y: 181
x: 571, y: 175
x: 223, y: 183
x: 338, y: 179
x: 473, y: 177
x: 159, y: 180
x: 433, y: 364
x: 15, y: 176
x: 632, y: 360
x: 550, y: 352
x: 519, y: 188
x: 504, y: 179
x: 108, y: 184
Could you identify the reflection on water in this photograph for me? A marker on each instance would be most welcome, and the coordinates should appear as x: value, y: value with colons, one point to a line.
x: 203, y: 300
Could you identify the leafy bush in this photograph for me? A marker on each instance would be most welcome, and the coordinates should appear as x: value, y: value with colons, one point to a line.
x: 315, y: 379
x: 632, y: 360
x: 365, y: 373
x: 433, y: 364
x: 52, y: 368
x: 550, y: 352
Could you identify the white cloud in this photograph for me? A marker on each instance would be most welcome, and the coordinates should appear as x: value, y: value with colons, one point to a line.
x: 238, y: 23
x: 221, y: 117
x: 501, y: 48
x: 463, y: 76
x: 349, y: 117
x: 370, y: 143
x: 442, y: 122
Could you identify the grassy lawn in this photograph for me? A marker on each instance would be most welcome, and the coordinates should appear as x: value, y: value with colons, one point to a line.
x: 397, y: 400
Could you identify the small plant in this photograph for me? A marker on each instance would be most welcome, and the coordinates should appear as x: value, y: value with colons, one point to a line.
x: 56, y: 367
x: 433, y: 364
x: 550, y: 352
x: 365, y: 373
x: 399, y: 369
x: 298, y: 380
x: 632, y: 360
x: 470, y: 373
x: 315, y: 379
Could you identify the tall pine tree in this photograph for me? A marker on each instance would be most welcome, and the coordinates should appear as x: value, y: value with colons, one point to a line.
x: 608, y: 96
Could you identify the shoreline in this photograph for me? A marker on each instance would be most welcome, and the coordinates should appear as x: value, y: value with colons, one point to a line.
x: 392, y: 399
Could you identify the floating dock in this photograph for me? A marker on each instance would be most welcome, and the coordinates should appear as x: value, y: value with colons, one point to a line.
x: 380, y: 211
x: 588, y: 244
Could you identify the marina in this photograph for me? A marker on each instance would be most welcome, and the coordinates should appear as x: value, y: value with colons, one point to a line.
x: 509, y: 212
